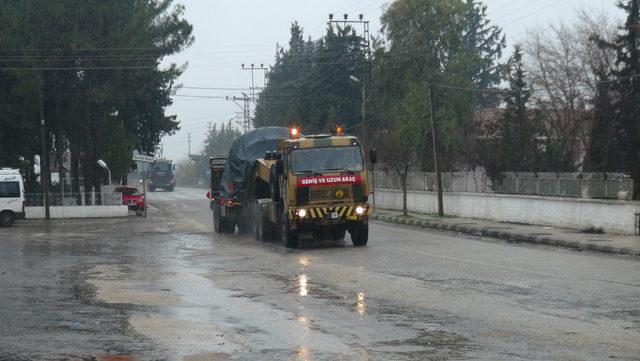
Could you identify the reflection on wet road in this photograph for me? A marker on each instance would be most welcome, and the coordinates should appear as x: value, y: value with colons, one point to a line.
x: 167, y: 287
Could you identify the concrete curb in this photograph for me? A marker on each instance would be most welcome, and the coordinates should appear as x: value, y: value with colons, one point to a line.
x: 508, y: 236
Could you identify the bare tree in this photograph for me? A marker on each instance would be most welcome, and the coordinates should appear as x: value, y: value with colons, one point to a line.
x: 564, y: 66
x: 400, y: 159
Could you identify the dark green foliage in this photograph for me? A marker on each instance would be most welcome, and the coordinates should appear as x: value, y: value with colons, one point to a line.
x: 615, y: 145
x: 218, y: 142
x: 484, y: 44
x: 443, y: 42
x: 95, y: 64
x: 513, y: 146
x: 309, y: 84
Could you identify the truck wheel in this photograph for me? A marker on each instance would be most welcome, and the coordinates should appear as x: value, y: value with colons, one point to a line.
x: 244, y: 227
x: 264, y: 230
x: 274, y: 186
x: 289, y: 236
x: 7, y: 218
x: 228, y: 226
x: 360, y: 235
x: 217, y: 220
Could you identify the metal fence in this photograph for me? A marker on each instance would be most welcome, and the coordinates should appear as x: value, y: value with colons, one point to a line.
x: 106, y: 197
x: 581, y: 185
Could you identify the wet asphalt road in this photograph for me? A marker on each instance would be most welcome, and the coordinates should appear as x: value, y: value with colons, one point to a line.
x: 166, y: 287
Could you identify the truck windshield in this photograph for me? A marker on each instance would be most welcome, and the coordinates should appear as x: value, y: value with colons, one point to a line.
x: 319, y: 160
x: 162, y: 167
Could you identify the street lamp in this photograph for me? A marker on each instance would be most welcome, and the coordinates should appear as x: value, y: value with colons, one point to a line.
x: 103, y: 164
x: 364, y: 129
x: 364, y: 134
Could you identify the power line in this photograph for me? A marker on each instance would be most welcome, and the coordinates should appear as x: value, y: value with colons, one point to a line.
x: 77, y: 68
x: 535, y: 12
x: 211, y: 88
x: 200, y: 96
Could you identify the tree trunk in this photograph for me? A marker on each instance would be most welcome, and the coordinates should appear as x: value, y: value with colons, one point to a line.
x: 404, y: 194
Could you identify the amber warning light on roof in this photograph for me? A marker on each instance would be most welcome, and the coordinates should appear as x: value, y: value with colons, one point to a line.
x: 338, y: 130
x: 294, y: 132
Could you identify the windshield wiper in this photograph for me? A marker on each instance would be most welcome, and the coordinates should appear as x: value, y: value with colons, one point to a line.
x: 307, y: 172
x: 343, y: 170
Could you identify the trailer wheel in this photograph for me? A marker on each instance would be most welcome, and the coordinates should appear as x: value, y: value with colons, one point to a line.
x: 289, y: 236
x: 264, y: 229
x: 274, y: 186
x: 359, y: 234
x: 228, y: 226
x: 217, y: 219
x: 245, y: 227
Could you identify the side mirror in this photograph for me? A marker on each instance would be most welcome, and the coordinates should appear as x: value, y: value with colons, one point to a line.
x: 134, y: 166
x: 174, y: 167
x: 373, y: 156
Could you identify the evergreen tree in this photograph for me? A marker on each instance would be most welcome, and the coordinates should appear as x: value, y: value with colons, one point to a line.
x: 516, y: 129
x: 309, y: 84
x: 484, y: 43
x: 615, y: 145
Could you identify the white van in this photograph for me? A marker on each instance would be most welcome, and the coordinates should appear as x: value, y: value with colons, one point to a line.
x: 11, y: 196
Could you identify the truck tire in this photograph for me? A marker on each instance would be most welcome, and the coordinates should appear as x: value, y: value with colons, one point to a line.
x: 245, y: 227
x: 7, y: 218
x: 264, y: 229
x: 274, y: 185
x: 360, y: 234
x: 289, y: 236
x: 228, y: 226
x: 217, y: 219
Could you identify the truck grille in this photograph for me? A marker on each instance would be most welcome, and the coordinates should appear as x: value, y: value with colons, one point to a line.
x: 324, y: 193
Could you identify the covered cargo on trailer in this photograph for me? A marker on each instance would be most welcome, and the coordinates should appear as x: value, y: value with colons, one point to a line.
x: 243, y: 154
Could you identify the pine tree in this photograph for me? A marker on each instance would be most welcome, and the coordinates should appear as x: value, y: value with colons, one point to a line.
x: 615, y: 145
x: 516, y: 129
x: 485, y: 43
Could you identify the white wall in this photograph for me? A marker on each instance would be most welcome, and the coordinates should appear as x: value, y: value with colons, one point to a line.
x: 78, y: 212
x: 610, y: 215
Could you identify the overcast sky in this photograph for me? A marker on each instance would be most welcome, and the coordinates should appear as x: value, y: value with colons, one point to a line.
x: 229, y: 33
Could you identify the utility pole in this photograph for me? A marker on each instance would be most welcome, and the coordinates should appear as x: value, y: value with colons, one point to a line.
x: 189, y: 142
x: 363, y: 122
x: 253, y: 86
x: 367, y: 78
x: 434, y: 137
x: 44, y: 164
x: 246, y: 110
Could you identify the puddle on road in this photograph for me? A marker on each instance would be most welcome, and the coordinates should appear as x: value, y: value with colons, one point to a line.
x: 303, y: 285
x: 187, y: 337
x: 208, y: 356
x: 115, y: 286
x: 361, y: 306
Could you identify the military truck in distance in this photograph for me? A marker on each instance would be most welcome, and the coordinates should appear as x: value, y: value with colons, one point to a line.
x: 161, y: 175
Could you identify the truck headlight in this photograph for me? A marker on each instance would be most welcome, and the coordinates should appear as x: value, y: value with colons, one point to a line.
x: 302, y: 213
x: 359, y: 210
